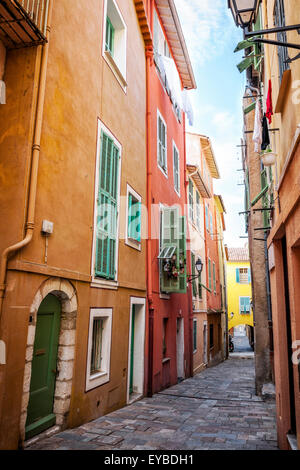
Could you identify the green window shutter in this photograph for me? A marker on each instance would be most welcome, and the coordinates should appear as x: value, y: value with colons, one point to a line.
x: 209, y: 274
x: 194, y: 335
x: 176, y: 170
x: 206, y: 218
x: 200, y: 286
x: 258, y: 47
x: 170, y: 238
x: 242, y: 305
x: 193, y: 274
x: 161, y: 131
x: 250, y: 107
x: 246, y: 44
x: 214, y: 277
x: 109, y: 38
x: 182, y: 256
x: 191, y: 200
x: 107, y: 209
x: 237, y: 275
x: 134, y: 218
x: 247, y: 200
x: 249, y: 276
x: 246, y: 63
x: 198, y: 210
x: 264, y: 184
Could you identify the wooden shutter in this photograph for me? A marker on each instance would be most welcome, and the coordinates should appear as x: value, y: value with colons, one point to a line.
x: 214, y: 277
x: 258, y: 47
x: 191, y: 200
x: 134, y: 218
x: 107, y: 209
x: 109, y: 37
x: 195, y: 335
x: 170, y: 237
x: 265, y: 200
x: 242, y: 305
x: 249, y: 275
x: 206, y: 218
x: 193, y: 274
x: 161, y: 144
x: 237, y: 275
x: 209, y: 273
x: 182, y: 256
x: 198, y: 210
x: 176, y: 169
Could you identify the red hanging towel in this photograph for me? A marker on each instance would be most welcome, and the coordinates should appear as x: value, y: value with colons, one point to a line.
x: 269, y: 112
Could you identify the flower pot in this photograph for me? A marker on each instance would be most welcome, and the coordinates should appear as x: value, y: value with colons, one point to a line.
x: 269, y: 158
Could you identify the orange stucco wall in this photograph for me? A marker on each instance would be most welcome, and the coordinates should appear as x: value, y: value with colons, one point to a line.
x: 80, y: 89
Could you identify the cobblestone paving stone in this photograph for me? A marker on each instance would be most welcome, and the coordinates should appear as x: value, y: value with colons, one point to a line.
x: 215, y: 410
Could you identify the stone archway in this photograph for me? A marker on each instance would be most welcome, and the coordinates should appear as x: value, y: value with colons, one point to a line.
x: 66, y: 293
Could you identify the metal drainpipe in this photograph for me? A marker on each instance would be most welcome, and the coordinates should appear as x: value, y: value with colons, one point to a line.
x: 149, y: 62
x: 34, y: 165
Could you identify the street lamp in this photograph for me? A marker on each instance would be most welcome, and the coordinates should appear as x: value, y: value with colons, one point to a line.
x: 244, y: 12
x: 199, y: 268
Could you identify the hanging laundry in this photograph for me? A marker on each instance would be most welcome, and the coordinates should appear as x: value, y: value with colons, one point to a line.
x: 269, y: 112
x: 257, y: 132
x: 265, y: 134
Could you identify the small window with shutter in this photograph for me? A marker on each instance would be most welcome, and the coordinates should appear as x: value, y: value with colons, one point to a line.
x: 176, y: 169
x: 161, y: 143
x: 245, y: 306
x: 134, y: 218
x: 172, y: 256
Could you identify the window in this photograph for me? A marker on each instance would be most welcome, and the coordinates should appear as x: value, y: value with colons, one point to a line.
x: 211, y: 226
x: 198, y: 217
x: 279, y: 21
x: 109, y: 38
x: 191, y: 200
x: 200, y: 286
x: 245, y: 306
x: 114, y: 43
x: 160, y: 44
x: 162, y: 144
x: 194, y: 335
x: 209, y: 274
x: 214, y: 278
x: 206, y: 218
x: 164, y: 338
x: 194, y: 284
x: 211, y: 336
x: 243, y: 276
x: 176, y: 169
x: 99, y: 344
x: 172, y: 256
x: 107, y: 209
x: 133, y: 218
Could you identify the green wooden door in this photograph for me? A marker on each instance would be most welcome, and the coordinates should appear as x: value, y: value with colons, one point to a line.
x: 40, y: 414
x: 132, y: 351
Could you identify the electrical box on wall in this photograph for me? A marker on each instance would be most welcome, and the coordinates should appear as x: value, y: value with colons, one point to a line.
x: 47, y: 227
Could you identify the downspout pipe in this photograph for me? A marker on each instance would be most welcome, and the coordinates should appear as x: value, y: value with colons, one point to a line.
x: 29, y: 227
x: 149, y: 63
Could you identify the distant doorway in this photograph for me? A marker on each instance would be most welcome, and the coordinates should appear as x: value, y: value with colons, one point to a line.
x: 205, y: 343
x: 136, y: 355
x: 180, y: 349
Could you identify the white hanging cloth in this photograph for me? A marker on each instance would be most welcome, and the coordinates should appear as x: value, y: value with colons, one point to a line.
x: 187, y: 107
x: 257, y: 132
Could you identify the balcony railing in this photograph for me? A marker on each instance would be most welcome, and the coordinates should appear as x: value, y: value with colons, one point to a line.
x: 23, y: 22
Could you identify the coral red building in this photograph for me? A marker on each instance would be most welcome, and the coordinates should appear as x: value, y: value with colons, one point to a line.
x: 169, y: 299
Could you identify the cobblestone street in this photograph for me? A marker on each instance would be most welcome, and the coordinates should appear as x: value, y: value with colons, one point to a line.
x: 214, y: 410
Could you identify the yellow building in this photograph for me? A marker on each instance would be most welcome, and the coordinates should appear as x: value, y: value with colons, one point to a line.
x: 239, y: 290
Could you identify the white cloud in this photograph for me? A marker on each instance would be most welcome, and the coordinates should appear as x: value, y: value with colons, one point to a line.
x: 204, y: 26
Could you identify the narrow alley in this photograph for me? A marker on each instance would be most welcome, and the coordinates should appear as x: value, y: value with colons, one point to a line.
x: 214, y: 410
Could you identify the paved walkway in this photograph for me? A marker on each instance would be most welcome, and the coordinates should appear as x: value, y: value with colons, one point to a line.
x: 215, y: 410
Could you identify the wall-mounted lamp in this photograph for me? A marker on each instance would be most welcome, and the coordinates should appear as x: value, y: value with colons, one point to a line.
x: 245, y: 14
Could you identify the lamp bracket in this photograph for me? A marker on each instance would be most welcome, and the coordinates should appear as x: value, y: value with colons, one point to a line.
x: 279, y: 29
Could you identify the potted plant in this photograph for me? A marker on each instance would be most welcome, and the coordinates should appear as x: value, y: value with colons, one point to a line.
x: 268, y: 158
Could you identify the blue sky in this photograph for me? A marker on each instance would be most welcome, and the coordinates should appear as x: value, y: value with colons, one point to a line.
x: 211, y: 37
